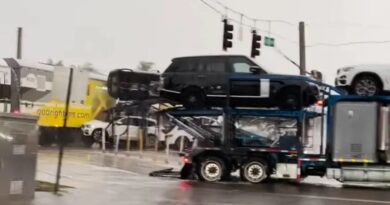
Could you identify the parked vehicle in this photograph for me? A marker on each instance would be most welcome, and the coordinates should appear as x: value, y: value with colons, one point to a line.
x: 92, y: 130
x: 174, y: 136
x: 364, y: 80
x: 174, y: 133
x: 208, y: 80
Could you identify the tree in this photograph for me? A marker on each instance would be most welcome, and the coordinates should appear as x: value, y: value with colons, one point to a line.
x: 49, y: 61
x: 59, y: 63
x: 145, y: 65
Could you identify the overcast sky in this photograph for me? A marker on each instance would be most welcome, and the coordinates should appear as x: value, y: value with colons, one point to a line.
x: 120, y: 33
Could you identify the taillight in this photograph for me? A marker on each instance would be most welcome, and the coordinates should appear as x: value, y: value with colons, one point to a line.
x: 185, y: 160
x: 320, y: 102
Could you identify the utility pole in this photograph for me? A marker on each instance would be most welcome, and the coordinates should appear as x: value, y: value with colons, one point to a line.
x: 15, y: 74
x: 62, y: 134
x: 19, y: 49
x: 302, y: 49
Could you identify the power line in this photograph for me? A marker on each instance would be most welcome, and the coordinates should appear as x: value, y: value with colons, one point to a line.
x: 252, y: 27
x: 347, y: 43
x: 251, y: 18
x: 280, y: 52
x: 247, y: 25
x: 211, y: 7
x: 344, y: 24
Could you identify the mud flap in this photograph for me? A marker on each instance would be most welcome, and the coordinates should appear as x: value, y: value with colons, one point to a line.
x: 187, y: 172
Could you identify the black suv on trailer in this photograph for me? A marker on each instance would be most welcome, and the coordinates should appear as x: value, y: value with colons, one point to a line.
x: 210, y: 80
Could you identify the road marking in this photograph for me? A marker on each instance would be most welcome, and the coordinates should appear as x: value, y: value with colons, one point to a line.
x: 308, y: 196
x: 330, y: 198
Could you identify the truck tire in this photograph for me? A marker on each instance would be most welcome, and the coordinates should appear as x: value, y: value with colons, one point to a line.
x: 46, y: 140
x: 254, y: 171
x: 46, y: 137
x: 211, y: 169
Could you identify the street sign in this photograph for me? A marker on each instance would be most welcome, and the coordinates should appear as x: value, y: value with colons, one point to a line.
x: 269, y: 41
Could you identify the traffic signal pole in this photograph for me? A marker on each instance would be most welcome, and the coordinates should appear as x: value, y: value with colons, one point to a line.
x: 302, y: 49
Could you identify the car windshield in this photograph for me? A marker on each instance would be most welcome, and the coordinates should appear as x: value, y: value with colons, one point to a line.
x: 244, y: 65
x: 265, y: 69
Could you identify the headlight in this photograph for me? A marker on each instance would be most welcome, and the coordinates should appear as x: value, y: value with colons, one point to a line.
x: 87, y: 126
x: 347, y: 69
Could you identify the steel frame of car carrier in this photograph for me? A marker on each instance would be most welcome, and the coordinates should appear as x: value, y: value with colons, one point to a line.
x: 304, y: 164
x: 235, y: 157
x: 290, y: 163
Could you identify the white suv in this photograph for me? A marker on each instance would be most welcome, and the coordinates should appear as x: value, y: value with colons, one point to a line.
x: 92, y: 130
x: 174, y: 134
x: 364, y: 80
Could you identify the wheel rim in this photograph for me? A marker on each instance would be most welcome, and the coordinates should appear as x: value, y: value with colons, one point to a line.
x: 212, y: 171
x: 97, y: 134
x: 192, y: 98
x: 186, y: 142
x: 291, y: 102
x: 151, y: 140
x: 254, y: 172
x: 366, y: 87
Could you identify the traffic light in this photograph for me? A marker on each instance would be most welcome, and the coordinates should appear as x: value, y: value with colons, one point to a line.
x: 227, y: 35
x: 255, y: 51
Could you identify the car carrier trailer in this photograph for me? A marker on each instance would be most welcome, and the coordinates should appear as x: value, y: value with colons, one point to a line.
x: 354, y: 151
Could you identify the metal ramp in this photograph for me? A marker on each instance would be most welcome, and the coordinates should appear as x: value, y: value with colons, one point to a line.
x: 192, y: 127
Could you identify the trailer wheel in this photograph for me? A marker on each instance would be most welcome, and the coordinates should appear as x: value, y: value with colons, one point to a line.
x: 211, y: 169
x: 254, y: 171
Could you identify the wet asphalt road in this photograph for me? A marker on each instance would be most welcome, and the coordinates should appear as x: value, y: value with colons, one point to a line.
x: 97, y: 185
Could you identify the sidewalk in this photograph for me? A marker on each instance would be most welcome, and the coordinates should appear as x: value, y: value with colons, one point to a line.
x: 126, y: 160
x: 100, y: 178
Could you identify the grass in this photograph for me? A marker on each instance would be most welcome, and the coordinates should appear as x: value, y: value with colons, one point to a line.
x: 43, y: 186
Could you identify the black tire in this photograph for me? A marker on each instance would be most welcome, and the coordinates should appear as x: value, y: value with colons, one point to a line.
x: 150, y: 141
x: 290, y: 99
x: 186, y: 143
x: 193, y: 98
x: 97, y: 134
x: 254, y: 171
x: 46, y: 140
x: 87, y: 141
x: 211, y: 169
x: 366, y: 85
x: 46, y: 137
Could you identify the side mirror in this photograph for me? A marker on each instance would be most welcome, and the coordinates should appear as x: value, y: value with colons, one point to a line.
x: 316, y: 75
x: 254, y: 70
